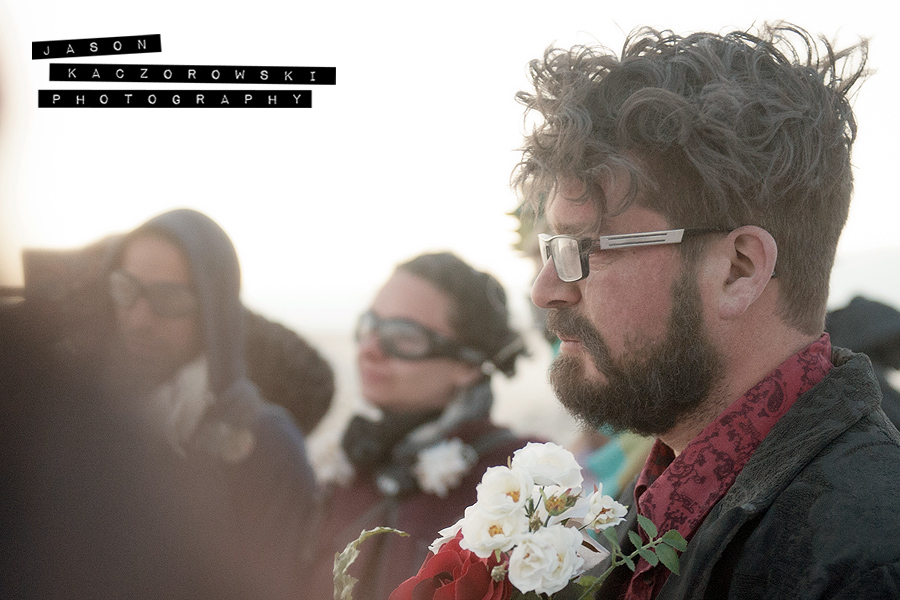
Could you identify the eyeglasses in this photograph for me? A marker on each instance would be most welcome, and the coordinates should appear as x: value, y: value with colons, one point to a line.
x: 570, y: 254
x: 170, y: 300
x: 408, y: 340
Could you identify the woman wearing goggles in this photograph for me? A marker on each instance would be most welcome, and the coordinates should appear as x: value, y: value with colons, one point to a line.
x: 433, y: 335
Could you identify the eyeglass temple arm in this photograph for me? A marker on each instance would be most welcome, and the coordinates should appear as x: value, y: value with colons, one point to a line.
x: 651, y: 238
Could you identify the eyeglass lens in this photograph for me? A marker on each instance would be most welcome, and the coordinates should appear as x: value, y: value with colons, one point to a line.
x: 165, y: 299
x: 566, y: 254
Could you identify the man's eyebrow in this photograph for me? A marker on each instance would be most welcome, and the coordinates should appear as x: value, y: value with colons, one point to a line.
x: 572, y: 229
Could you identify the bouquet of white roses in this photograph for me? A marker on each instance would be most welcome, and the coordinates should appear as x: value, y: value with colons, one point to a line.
x: 530, y: 533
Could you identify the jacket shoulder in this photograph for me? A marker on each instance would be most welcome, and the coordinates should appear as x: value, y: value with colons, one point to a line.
x: 834, y: 529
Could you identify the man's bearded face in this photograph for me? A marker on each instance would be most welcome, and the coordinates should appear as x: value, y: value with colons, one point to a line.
x: 649, y: 389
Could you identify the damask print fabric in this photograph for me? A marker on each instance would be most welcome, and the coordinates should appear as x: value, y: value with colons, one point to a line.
x: 678, y: 492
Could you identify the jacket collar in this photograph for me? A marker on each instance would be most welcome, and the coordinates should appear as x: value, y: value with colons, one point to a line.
x: 846, y: 395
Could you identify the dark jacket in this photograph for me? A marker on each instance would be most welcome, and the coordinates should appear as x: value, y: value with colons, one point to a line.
x: 813, y: 514
x: 90, y: 510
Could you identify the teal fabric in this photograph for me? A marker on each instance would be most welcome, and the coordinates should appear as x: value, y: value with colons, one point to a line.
x: 606, y: 464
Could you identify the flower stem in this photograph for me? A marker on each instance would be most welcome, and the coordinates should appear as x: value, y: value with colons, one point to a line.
x: 617, y: 558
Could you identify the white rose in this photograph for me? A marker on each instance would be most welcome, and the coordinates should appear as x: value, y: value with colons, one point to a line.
x: 485, y: 532
x: 503, y: 490
x: 440, y: 468
x: 603, y: 511
x: 549, y: 464
x: 446, y: 534
x: 546, y: 560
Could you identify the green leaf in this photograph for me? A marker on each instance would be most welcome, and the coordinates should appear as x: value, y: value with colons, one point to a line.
x: 589, y: 584
x: 628, y: 562
x: 648, y: 555
x: 647, y: 525
x: 668, y: 557
x: 635, y: 539
x: 343, y: 581
x: 675, y: 540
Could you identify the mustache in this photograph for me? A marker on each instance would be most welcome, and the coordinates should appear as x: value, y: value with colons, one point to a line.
x: 568, y: 324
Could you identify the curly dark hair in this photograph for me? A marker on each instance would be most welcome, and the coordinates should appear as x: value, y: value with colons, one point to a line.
x: 288, y: 370
x: 480, y: 316
x: 715, y: 131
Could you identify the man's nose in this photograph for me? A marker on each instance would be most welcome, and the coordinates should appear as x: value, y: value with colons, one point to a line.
x: 549, y: 291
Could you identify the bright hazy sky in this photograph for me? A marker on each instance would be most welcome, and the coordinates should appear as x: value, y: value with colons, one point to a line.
x: 410, y: 151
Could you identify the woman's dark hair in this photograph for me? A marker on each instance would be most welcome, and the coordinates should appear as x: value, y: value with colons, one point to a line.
x: 480, y: 316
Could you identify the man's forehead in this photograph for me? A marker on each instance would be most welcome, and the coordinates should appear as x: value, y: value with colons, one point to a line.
x: 572, y: 217
x: 581, y: 219
x: 575, y: 210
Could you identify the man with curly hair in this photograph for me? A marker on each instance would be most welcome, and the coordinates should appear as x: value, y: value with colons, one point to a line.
x: 696, y: 187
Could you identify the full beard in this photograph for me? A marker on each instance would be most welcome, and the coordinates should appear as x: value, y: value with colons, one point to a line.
x: 650, y: 389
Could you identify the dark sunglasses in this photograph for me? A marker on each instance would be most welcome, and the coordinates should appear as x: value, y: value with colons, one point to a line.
x: 170, y: 300
x: 408, y: 340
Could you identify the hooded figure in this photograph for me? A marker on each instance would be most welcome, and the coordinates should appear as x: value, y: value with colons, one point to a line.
x: 178, y: 352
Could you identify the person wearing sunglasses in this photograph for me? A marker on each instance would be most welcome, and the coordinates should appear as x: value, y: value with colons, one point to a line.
x: 695, y: 188
x: 178, y: 354
x: 427, y: 347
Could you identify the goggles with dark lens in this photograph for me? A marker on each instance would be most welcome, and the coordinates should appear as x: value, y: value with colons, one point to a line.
x: 408, y: 340
x: 170, y: 300
x: 571, y: 254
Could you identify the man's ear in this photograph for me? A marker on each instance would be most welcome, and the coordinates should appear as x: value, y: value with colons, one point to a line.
x: 751, y: 252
